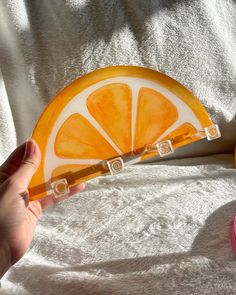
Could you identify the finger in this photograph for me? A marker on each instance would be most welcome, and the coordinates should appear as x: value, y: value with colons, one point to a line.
x: 3, y: 176
x: 13, y: 161
x: 25, y: 197
x: 52, y: 200
x: 29, y: 164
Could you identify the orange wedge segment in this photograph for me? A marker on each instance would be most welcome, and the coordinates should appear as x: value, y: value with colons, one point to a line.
x: 111, y: 107
x: 77, y: 138
x: 155, y: 115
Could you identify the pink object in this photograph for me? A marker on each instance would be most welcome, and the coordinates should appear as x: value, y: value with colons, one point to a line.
x: 233, y: 235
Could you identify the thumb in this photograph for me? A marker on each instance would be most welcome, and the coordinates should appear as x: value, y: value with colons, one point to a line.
x: 28, y: 166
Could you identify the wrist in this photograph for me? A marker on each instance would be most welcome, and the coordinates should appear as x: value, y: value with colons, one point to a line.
x: 5, y: 259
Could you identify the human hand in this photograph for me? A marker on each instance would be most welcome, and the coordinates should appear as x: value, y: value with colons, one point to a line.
x: 18, y: 216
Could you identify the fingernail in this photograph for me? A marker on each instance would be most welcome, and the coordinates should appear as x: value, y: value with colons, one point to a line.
x: 29, y: 148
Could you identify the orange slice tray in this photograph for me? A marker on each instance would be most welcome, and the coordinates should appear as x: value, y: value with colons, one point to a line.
x: 111, y: 118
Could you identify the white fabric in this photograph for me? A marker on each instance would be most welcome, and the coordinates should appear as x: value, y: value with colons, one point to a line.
x: 45, y: 45
x: 155, y: 229
x: 158, y: 228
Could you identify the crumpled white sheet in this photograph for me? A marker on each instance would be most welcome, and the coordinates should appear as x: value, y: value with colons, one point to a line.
x: 155, y: 229
x: 45, y: 45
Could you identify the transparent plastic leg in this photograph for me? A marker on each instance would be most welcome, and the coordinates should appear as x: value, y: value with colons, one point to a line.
x: 115, y: 165
x: 60, y: 188
x: 164, y: 148
x: 213, y: 132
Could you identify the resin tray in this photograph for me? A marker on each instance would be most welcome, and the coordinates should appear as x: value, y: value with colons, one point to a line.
x: 111, y: 118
